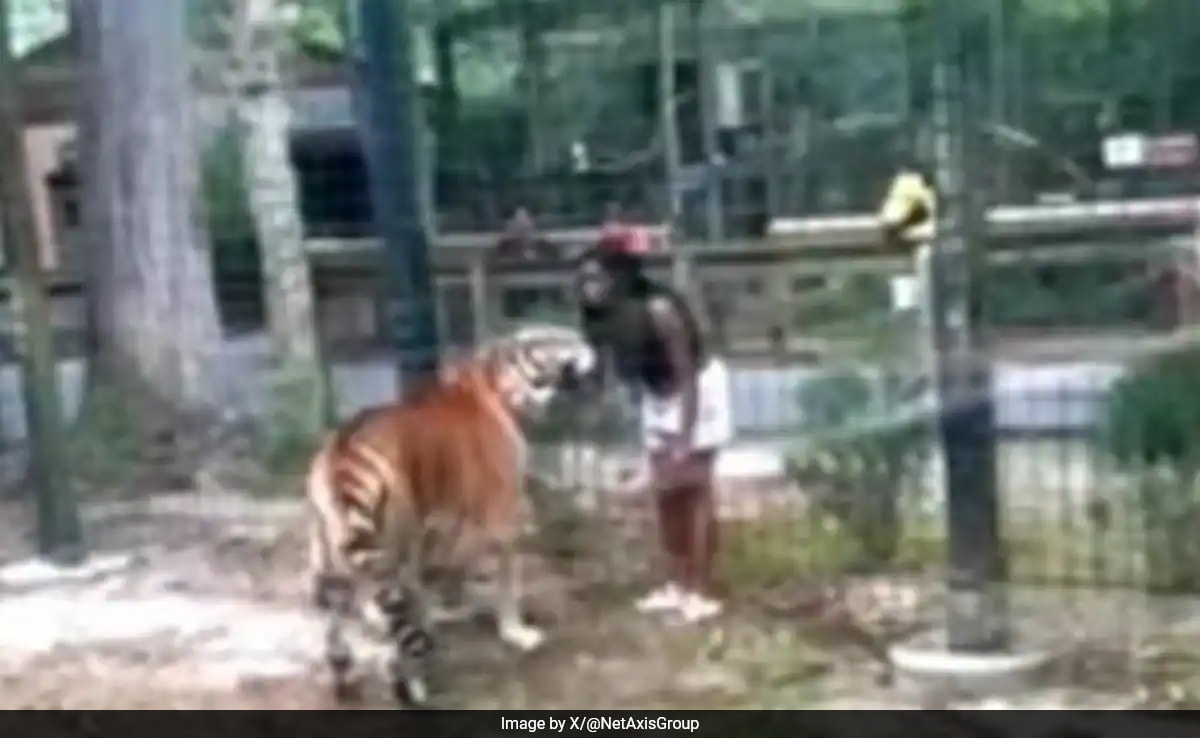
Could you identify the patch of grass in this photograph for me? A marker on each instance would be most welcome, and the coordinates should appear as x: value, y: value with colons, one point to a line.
x: 1152, y: 431
x: 128, y: 443
x: 923, y: 545
x: 610, y: 657
x: 1078, y: 553
x: 283, y: 451
x: 864, y: 457
x: 106, y: 445
x: 288, y: 436
x: 563, y: 531
x: 771, y: 553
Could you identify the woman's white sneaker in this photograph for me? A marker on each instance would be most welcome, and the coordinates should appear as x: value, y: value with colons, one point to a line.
x: 696, y: 607
x: 669, y: 597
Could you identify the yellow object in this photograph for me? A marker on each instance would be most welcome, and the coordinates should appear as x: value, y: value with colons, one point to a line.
x: 909, y: 211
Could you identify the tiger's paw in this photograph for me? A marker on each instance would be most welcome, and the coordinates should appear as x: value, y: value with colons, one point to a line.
x: 412, y: 692
x: 524, y: 638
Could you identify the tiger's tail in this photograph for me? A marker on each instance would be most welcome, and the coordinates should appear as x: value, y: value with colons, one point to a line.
x: 350, y: 485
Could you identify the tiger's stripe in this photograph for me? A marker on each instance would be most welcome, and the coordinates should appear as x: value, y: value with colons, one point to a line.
x: 363, y: 480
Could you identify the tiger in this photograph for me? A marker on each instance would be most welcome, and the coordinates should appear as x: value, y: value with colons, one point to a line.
x: 438, y: 472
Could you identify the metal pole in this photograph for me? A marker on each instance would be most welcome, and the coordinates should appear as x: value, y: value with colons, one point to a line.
x: 59, y: 531
x: 713, y: 161
x: 667, y: 118
x: 382, y: 32
x: 977, y: 617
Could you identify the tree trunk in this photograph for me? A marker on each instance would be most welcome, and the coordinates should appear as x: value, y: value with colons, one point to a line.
x: 264, y: 124
x: 150, y: 276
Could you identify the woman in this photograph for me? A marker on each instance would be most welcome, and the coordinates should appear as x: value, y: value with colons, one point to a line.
x: 652, y: 338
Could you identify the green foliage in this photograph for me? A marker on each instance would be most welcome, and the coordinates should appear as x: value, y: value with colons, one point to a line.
x: 104, y: 446
x: 236, y: 260
x: 854, y: 296
x: 320, y: 29
x: 293, y: 425
x: 1094, y: 293
x: 1169, y: 501
x: 857, y: 313
x: 129, y: 443
x: 858, y: 466
x: 776, y: 552
x: 1153, y: 430
x: 1154, y: 413
x: 1081, y: 58
x: 223, y: 188
x: 34, y: 22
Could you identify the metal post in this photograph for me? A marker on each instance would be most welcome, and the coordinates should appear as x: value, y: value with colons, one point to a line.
x: 714, y: 214
x: 667, y: 118
x: 481, y: 307
x: 58, y: 526
x: 382, y: 32
x: 977, y: 617
x: 669, y: 125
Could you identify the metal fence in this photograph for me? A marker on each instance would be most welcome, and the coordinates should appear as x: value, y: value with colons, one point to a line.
x: 757, y: 139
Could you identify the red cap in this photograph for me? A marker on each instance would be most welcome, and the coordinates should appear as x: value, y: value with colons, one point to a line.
x: 627, y: 239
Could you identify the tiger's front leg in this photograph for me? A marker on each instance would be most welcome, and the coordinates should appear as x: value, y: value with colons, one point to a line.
x: 510, y: 623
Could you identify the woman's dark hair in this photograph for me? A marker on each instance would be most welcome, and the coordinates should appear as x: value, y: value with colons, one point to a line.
x: 626, y: 270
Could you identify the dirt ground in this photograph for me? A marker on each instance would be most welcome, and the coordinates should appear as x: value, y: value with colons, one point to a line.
x: 194, y: 600
x: 160, y: 629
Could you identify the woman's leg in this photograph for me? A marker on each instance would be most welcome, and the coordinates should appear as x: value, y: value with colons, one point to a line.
x: 698, y: 603
x: 672, y: 511
x: 688, y: 516
x: 702, y: 525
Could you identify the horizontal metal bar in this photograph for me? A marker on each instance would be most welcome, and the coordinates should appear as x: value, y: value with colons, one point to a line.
x: 826, y: 236
x: 1009, y: 220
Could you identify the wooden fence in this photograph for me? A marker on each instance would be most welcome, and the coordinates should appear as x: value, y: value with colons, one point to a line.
x: 744, y: 289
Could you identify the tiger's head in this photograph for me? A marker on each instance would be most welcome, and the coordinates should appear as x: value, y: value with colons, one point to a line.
x: 535, y: 364
x: 907, y: 215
